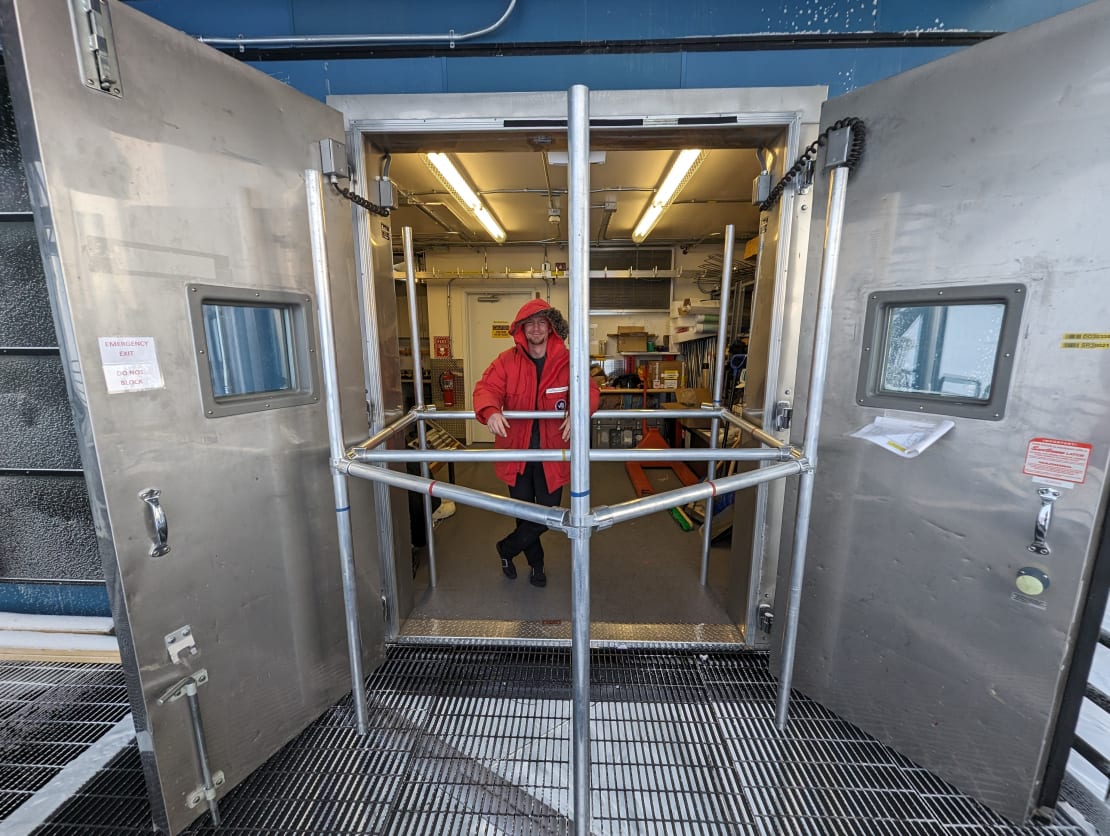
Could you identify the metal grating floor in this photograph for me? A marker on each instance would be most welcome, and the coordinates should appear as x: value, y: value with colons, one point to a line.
x: 477, y: 740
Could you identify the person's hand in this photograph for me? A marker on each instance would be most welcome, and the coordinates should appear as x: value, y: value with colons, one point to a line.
x: 498, y: 424
x: 564, y: 428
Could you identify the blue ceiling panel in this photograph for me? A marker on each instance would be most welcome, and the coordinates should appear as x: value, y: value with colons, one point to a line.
x: 558, y: 72
x: 321, y: 79
x: 840, y: 69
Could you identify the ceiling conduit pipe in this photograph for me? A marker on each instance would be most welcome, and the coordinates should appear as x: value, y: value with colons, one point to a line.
x: 451, y: 38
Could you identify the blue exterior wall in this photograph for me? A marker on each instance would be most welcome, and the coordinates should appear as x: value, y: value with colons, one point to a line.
x: 594, y: 24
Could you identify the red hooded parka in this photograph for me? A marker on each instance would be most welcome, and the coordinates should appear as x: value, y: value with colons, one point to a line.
x: 509, y: 384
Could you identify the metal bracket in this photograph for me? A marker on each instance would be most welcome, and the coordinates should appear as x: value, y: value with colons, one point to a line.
x: 780, y: 419
x: 804, y: 181
x: 200, y: 794
x: 181, y: 643
x: 837, y: 148
x: 333, y: 159
x: 96, y: 45
x: 183, y: 686
x: 766, y: 617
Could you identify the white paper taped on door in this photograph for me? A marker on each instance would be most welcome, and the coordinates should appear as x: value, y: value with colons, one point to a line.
x: 130, y: 364
x: 907, y: 439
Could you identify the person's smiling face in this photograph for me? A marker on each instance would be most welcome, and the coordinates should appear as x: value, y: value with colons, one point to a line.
x: 536, y: 330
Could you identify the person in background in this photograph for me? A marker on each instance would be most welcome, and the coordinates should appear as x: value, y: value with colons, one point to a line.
x: 533, y: 375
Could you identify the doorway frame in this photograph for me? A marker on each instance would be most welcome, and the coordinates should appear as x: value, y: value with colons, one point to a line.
x: 795, y: 110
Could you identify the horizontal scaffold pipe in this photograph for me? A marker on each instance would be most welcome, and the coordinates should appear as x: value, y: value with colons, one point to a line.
x: 757, y: 433
x: 635, y: 454
x: 601, y: 414
x: 387, y: 432
x: 550, y: 517
x: 624, y: 511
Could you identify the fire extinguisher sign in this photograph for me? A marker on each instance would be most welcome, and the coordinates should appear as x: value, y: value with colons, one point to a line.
x: 442, y: 347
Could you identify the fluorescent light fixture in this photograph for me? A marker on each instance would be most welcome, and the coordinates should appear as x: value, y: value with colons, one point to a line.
x: 450, y: 176
x: 684, y: 167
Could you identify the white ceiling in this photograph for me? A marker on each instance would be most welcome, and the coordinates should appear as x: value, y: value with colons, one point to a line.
x: 514, y: 186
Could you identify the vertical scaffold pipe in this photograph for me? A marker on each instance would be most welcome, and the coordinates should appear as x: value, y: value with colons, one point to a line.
x: 418, y: 391
x: 718, y: 385
x: 823, y: 330
x: 318, y: 237
x: 578, y: 123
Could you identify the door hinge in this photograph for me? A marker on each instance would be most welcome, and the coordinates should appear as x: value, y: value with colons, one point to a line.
x: 96, y: 45
x: 780, y: 420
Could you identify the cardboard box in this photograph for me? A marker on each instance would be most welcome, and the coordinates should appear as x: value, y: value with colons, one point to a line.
x: 627, y: 343
x: 665, y: 374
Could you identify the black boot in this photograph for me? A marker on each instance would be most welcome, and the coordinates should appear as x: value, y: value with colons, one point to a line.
x: 506, y: 564
x: 537, y: 578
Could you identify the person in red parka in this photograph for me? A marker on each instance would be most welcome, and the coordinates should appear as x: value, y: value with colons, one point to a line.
x: 533, y: 375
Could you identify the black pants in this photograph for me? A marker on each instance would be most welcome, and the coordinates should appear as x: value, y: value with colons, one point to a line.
x: 531, y: 486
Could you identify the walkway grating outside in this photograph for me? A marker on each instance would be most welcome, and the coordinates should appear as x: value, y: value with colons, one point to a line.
x: 467, y: 740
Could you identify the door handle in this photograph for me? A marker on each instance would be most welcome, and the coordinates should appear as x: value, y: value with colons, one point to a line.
x: 157, y: 524
x: 1044, y: 520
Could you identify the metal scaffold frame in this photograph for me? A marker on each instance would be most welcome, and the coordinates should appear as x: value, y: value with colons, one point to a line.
x: 777, y: 459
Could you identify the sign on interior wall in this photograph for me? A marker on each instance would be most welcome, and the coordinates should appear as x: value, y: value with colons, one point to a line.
x: 442, y: 347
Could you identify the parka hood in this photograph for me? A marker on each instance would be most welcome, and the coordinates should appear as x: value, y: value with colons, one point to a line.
x: 532, y: 307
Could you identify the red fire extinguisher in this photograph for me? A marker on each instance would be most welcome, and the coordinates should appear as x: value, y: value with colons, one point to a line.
x: 447, y: 386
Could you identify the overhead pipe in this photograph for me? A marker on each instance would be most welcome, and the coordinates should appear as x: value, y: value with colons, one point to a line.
x: 450, y: 38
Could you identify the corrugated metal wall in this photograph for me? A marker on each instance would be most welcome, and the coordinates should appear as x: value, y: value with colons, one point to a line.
x: 46, y: 527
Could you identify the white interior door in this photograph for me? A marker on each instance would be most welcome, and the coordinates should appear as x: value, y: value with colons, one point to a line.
x: 488, y: 317
x: 170, y: 201
x: 943, y: 593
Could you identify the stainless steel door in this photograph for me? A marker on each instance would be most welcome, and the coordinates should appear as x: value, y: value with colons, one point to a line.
x: 168, y: 184
x: 925, y: 618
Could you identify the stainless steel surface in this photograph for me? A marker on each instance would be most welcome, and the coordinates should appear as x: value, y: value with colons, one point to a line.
x: 907, y: 624
x: 418, y: 392
x: 317, y: 229
x: 1044, y: 521
x: 578, y: 247
x: 205, y: 185
x: 818, y: 373
x: 159, y: 525
x: 718, y: 382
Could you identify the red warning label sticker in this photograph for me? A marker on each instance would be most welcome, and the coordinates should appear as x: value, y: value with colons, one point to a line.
x: 1054, y: 458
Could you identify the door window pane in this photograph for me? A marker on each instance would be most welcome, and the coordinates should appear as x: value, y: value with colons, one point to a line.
x: 250, y: 349
x: 948, y: 351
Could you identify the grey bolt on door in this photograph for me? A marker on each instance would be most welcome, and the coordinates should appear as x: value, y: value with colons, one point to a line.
x: 943, y: 593
x: 168, y: 183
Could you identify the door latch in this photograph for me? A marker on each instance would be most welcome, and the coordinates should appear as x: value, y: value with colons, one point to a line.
x: 780, y: 419
x: 96, y: 45
x: 1044, y: 520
